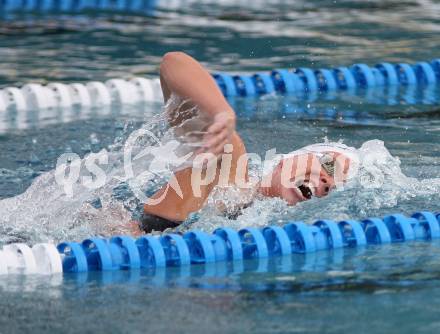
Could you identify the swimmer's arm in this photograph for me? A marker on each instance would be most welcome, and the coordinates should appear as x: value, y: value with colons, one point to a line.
x: 184, y: 76
x: 177, y: 208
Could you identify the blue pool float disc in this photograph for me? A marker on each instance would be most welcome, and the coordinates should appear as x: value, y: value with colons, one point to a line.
x: 226, y: 84
x: 263, y: 83
x: 435, y: 64
x: 112, y: 4
x: 308, y: 77
x: 66, y: 5
x: 326, y: 80
x: 406, y: 74
x: 121, y: 4
x: 399, y: 227
x: 43, y: 5
x: 277, y: 240
x: 287, y: 82
x: 344, y: 78
x: 136, y: 5
x: 233, y: 242
x: 320, y: 238
x: 282, y: 82
x: 389, y: 73
x: 429, y: 223
x: 175, y: 249
x: 151, y: 252
x: 253, y: 243
x: 220, y: 249
x: 151, y: 6
x: 245, y: 85
x: 97, y: 254
x: 379, y: 78
x: 129, y: 252
x: 11, y: 5
x: 352, y: 233
x: 74, y: 259
x: 420, y: 227
x: 409, y: 94
x: 301, y: 237
x: 117, y: 257
x: 376, y: 231
x: 200, y: 247
x: 425, y: 73
x: 363, y: 75
x: 85, y: 4
x: 332, y: 231
x: 31, y: 5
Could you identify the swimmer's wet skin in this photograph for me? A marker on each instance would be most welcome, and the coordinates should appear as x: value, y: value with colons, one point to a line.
x: 183, y: 76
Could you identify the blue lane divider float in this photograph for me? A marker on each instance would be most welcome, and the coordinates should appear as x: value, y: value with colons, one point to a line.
x: 306, y: 80
x: 226, y: 244
x: 138, y: 6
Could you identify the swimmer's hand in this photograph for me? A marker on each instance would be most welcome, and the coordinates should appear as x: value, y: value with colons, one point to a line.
x: 219, y: 133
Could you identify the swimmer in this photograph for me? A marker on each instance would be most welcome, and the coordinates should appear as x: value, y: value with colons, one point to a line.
x: 189, y: 89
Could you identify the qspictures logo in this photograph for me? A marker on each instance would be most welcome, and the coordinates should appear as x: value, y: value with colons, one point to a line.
x: 70, y: 166
x: 143, y: 148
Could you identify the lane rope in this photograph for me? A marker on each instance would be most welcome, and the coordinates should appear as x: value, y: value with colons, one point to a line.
x: 224, y: 244
x: 146, y: 7
x: 303, y: 82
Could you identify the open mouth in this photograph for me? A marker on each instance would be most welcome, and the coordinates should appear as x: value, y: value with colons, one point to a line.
x: 305, y: 191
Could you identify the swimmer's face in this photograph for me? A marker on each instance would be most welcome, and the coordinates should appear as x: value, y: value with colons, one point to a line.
x: 299, y: 178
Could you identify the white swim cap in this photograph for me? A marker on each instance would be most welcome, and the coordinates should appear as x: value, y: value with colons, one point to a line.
x: 349, y: 152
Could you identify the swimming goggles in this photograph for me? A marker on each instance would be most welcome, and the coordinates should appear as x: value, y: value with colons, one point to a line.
x: 327, y: 162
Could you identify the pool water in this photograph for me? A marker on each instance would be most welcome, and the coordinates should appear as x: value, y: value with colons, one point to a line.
x: 390, y: 289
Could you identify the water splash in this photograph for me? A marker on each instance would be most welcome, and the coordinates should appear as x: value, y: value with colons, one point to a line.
x: 45, y: 212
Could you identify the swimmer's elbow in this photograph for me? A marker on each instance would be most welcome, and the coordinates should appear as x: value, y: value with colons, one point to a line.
x: 172, y: 59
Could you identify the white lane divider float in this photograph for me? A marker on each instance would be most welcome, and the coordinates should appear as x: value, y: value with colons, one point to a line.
x: 121, y: 91
x: 99, y: 93
x: 14, y: 97
x: 3, y: 263
x: 61, y: 94
x: 34, y: 96
x: 80, y: 95
x: 19, y: 257
x: 42, y: 258
x: 38, y: 97
x: 145, y: 88
x: 47, y: 259
x: 157, y: 90
x: 2, y: 103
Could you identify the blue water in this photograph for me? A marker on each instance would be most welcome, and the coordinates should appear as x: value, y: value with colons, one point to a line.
x: 391, y: 289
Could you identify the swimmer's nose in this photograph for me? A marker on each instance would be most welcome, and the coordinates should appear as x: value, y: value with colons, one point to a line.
x: 326, y: 184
